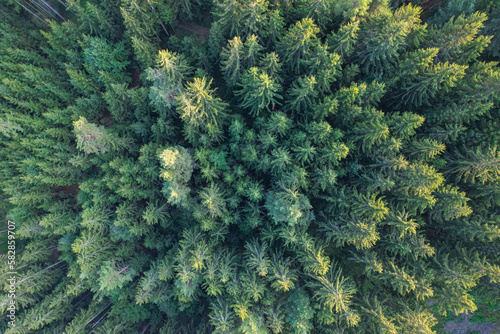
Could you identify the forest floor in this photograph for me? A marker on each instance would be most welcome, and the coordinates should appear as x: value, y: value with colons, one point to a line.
x: 464, y: 325
x: 430, y: 4
x: 194, y: 28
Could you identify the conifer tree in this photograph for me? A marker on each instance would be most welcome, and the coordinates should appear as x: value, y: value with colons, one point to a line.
x: 458, y: 40
x: 94, y: 139
x: 260, y: 92
x: 252, y: 51
x: 297, y: 42
x: 201, y: 111
x: 424, y: 80
x: 344, y: 40
x: 302, y: 94
x: 178, y: 167
x: 333, y: 291
x: 479, y: 165
x: 232, y: 61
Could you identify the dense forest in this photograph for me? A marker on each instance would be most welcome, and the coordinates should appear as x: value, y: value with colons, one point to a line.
x: 248, y: 166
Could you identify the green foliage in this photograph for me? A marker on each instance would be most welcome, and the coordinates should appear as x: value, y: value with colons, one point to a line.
x: 178, y: 167
x: 232, y: 62
x: 173, y: 65
x: 344, y: 40
x: 201, y: 111
x: 289, y: 206
x: 113, y: 277
x: 297, y: 43
x: 259, y: 91
x: 333, y: 291
x: 300, y: 312
x: 105, y: 62
x: 213, y: 200
x: 475, y: 166
x: 313, y: 166
x: 302, y: 94
x: 428, y: 80
x: 283, y: 276
x: 94, y: 139
x: 457, y: 39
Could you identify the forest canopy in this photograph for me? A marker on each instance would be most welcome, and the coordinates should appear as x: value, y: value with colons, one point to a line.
x: 248, y: 166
